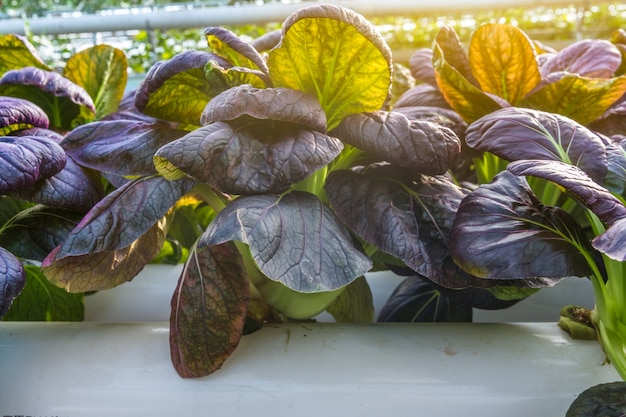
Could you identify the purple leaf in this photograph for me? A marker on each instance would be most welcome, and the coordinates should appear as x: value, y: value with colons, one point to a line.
x: 12, y: 279
x: 593, y: 58
x: 26, y: 160
x: 613, y: 241
x: 118, y: 236
x: 502, y: 232
x: 122, y: 147
x: 276, y: 104
x: 257, y: 159
x: 390, y: 136
x: 294, y: 239
x: 123, y: 216
x: 17, y: 113
x: 422, y: 95
x: 597, y: 198
x: 421, y: 66
x: 208, y: 310
x: 412, y: 226
x: 30, y: 82
x: 74, y: 188
x: 517, y: 133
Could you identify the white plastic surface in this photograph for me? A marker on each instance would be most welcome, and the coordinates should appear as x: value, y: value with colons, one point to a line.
x: 431, y: 370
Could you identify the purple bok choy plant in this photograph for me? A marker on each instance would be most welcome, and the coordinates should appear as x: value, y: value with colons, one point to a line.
x: 557, y: 211
x: 44, y: 191
x: 243, y: 137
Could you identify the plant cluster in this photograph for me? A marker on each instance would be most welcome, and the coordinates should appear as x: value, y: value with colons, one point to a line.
x: 281, y: 171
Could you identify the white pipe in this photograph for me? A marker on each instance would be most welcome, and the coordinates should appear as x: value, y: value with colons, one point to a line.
x: 304, y: 370
x: 240, y: 15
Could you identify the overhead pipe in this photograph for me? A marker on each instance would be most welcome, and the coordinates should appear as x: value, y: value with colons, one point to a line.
x: 249, y: 14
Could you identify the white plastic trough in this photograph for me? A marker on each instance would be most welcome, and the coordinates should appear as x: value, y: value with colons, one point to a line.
x: 110, y: 366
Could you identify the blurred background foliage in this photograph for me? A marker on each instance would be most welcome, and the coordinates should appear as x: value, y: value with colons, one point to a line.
x: 556, y: 27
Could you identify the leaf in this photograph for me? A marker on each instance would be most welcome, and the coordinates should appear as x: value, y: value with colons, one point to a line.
x: 208, y: 310
x: 66, y: 103
x: 73, y: 188
x: 26, y: 160
x: 276, y: 104
x: 12, y: 279
x: 516, y: 133
x: 104, y: 269
x: 37, y: 231
x: 502, y: 232
x: 294, y: 239
x: 18, y: 52
x: 221, y: 79
x: 594, y: 58
x: 123, y: 216
x: 336, y: 55
x: 355, y: 304
x: 17, y: 114
x: 613, y: 241
x: 603, y: 400
x: 421, y: 66
x: 390, y: 136
x: 417, y: 300
x: 503, y: 60
x: 176, y: 89
x: 598, y: 199
x: 102, y: 71
x: 233, y: 49
x: 421, y: 95
x: 580, y: 98
x: 42, y: 301
x: 257, y: 159
x: 447, y: 44
x: 123, y: 147
x: 578, y: 184
x: 463, y: 96
x: 411, y: 223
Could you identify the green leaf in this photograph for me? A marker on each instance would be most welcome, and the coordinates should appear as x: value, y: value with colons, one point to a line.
x: 604, y: 400
x: 503, y: 60
x: 40, y: 300
x: 464, y: 97
x: 336, y: 55
x: 102, y: 71
x: 176, y: 90
x: 235, y: 50
x: 580, y: 98
x: 208, y: 310
x: 221, y: 79
x: 355, y: 304
x: 17, y: 52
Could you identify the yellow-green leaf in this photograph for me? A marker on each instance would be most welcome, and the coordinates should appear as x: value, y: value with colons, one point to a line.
x: 503, y: 61
x: 102, y: 72
x: 16, y: 52
x: 580, y: 98
x: 336, y: 55
x: 465, y: 98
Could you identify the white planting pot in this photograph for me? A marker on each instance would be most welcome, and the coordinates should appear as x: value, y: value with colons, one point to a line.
x: 113, y: 368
